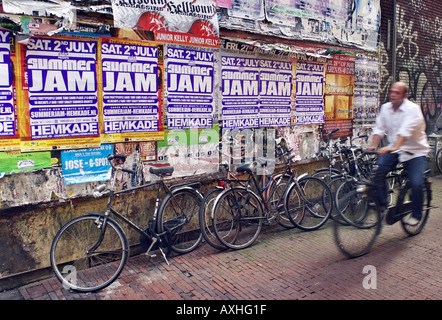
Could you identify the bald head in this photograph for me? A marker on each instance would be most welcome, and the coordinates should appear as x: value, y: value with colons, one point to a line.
x: 398, y: 93
x: 401, y: 85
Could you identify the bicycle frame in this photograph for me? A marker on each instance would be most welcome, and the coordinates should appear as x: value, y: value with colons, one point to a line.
x: 149, y: 232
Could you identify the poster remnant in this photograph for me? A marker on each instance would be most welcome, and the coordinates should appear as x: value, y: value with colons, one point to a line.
x: 17, y: 161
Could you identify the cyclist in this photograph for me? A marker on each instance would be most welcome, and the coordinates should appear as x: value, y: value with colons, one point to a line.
x: 404, y: 124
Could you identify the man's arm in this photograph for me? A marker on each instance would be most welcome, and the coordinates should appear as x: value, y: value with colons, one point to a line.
x: 399, y: 143
x: 375, y: 140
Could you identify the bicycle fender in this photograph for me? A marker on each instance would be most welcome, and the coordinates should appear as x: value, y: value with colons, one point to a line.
x: 302, y: 176
x: 95, y: 214
x: 190, y: 187
x: 193, y: 185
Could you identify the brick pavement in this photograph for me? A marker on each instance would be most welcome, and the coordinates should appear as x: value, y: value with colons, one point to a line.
x: 281, y: 265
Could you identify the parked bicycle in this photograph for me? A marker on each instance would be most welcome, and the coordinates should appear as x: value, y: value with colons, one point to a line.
x: 89, y: 252
x: 360, y: 209
x: 354, y: 166
x: 239, y: 212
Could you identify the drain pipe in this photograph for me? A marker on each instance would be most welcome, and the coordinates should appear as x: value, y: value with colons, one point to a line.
x: 393, y: 49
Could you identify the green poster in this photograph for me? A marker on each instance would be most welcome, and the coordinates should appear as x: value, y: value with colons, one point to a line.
x: 16, y: 161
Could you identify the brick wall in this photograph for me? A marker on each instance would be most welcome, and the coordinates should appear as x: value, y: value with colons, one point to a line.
x: 418, y: 53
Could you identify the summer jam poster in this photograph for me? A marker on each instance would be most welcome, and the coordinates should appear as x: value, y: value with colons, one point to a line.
x: 275, y: 79
x: 255, y: 92
x: 240, y: 92
x: 9, y: 135
x: 190, y: 88
x: 131, y: 90
x: 309, y: 93
x: 59, y: 103
x: 184, y: 22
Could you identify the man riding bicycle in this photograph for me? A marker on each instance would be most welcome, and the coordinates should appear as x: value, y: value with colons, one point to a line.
x: 404, y: 124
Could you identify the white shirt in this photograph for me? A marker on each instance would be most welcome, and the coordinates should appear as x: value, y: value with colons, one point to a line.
x: 408, y: 122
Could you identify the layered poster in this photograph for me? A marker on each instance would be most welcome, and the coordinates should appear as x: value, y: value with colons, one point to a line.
x: 339, y: 93
x: 190, y: 77
x: 130, y: 91
x: 309, y: 93
x: 366, y: 99
x: 240, y: 92
x: 289, y: 12
x: 187, y: 22
x: 9, y: 138
x: 61, y: 110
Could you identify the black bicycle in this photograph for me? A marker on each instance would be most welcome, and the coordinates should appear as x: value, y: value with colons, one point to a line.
x: 89, y: 252
x: 358, y: 206
x: 239, y: 212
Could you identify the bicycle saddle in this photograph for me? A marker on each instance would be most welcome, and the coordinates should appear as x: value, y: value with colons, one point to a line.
x: 161, y: 171
x: 246, y: 168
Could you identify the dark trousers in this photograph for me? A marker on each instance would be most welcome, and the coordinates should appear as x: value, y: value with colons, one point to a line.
x: 414, y: 170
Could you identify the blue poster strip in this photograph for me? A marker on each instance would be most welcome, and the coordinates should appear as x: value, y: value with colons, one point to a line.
x: 86, y: 165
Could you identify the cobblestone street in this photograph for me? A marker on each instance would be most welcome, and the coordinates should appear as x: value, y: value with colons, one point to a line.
x: 281, y: 265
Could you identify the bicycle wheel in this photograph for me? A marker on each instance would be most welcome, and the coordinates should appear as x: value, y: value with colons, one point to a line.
x: 318, y: 202
x: 205, y: 219
x: 414, y: 230
x: 178, y: 215
x: 357, y: 237
x: 294, y: 205
x: 237, y: 217
x: 349, y: 204
x: 81, y: 261
x: 277, y: 189
x: 333, y: 184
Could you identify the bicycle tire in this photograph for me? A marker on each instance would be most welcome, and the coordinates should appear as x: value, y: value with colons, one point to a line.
x: 79, y: 270
x: 317, y: 199
x: 324, y: 174
x: 183, y: 231
x: 414, y: 230
x: 237, y: 217
x: 439, y: 160
x: 333, y: 184
x: 277, y: 188
x: 205, y: 219
x: 357, y: 237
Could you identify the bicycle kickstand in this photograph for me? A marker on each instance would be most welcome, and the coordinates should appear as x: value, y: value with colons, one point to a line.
x: 153, y: 255
x: 164, y: 256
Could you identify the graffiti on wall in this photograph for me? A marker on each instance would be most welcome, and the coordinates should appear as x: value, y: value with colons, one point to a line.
x: 418, y: 56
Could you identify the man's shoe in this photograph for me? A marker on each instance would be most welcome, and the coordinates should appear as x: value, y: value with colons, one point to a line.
x: 412, y: 221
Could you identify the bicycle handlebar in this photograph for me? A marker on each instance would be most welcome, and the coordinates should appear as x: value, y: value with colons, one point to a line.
x: 397, y: 151
x: 118, y: 156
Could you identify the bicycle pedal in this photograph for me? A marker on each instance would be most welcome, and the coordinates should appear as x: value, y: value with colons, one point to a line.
x: 150, y: 255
